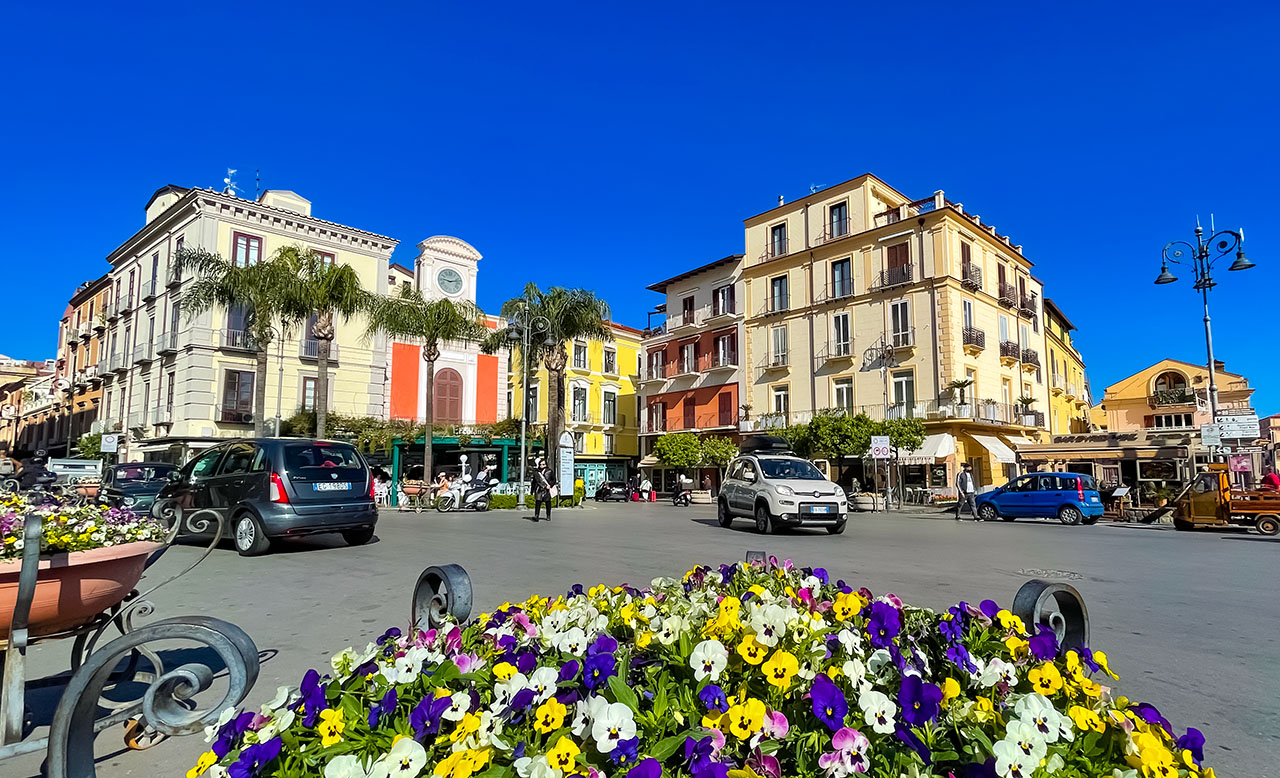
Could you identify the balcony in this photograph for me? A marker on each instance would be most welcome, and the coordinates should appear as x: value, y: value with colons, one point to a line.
x: 906, y: 211
x: 235, y: 416
x: 894, y: 276
x: 100, y: 323
x: 1165, y: 398
x: 774, y: 362
x: 900, y: 339
x: 143, y: 352
x: 833, y: 230
x: 1033, y: 418
x: 1010, y: 353
x: 310, y: 349
x: 721, y: 361
x: 971, y: 276
x: 1058, y: 384
x: 656, y: 372
x: 110, y: 312
x: 838, y: 289
x: 163, y: 415
x: 80, y: 380
x: 654, y: 332
x: 1071, y: 391
x: 700, y: 421
x: 686, y: 366
x: 1008, y: 296
x: 776, y: 248
x: 138, y: 420
x: 237, y: 340
x: 719, y: 315
x: 1027, y: 305
x: 1030, y: 360
x: 167, y: 343
x: 124, y: 303
x: 774, y: 305
x: 72, y: 336
x: 836, y: 350
x: 975, y: 340
x: 682, y: 321
x: 149, y: 290
x: 174, y: 279
x: 119, y: 364
x: 85, y: 331
x: 92, y: 374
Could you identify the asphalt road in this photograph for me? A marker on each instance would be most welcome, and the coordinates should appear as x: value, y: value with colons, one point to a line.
x: 1189, y: 620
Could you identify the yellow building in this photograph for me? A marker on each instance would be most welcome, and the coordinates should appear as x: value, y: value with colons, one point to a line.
x: 600, y: 404
x: 860, y: 299
x: 1068, y: 387
x: 178, y: 383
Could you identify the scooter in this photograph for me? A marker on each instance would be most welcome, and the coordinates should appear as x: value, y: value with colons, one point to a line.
x: 683, y: 496
x: 462, y: 496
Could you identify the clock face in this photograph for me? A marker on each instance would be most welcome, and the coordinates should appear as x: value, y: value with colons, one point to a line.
x: 449, y: 280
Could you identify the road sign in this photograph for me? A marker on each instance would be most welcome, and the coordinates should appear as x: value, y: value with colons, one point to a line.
x: 110, y: 444
x: 1230, y: 428
x: 565, y: 479
x: 880, y: 446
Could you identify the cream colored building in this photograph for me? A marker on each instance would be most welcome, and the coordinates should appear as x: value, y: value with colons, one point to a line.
x: 860, y: 299
x: 1068, y: 387
x: 178, y: 384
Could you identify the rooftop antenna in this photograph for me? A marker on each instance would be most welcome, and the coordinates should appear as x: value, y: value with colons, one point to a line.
x: 229, y: 185
x: 814, y: 188
x: 257, y: 184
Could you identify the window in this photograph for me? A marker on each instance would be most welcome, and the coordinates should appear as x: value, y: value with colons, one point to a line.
x: 106, y: 405
x: 779, y: 296
x: 722, y: 300
x: 609, y: 406
x: 132, y: 281
x: 967, y: 307
x: 900, y: 314
x: 308, y: 393
x: 608, y: 443
x: 778, y: 338
x: 689, y: 357
x: 1006, y: 391
x: 841, y: 343
x: 610, y: 361
x: 687, y: 311
x: 579, y: 442
x: 202, y: 466
x: 239, y: 459
x: 904, y: 390
x: 238, y: 319
x: 175, y: 317
x: 1172, y: 420
x: 247, y: 249
x: 510, y: 410
x: 726, y: 349
x: 966, y: 259
x: 579, y: 408
x: 531, y: 403
x: 1026, y: 335
x: 842, y: 394
x: 899, y: 255
x: 146, y: 399
x: 580, y: 356
x: 447, y: 393
x: 237, y: 397
x: 1004, y: 328
x: 128, y: 336
x: 1170, y: 381
x: 724, y: 409
x: 155, y: 269
x: 658, y: 364
x: 778, y: 240
x: 657, y: 420
x: 326, y: 257
x: 838, y: 220
x: 689, y: 412
x: 841, y: 278
x: 781, y: 399
x: 168, y: 400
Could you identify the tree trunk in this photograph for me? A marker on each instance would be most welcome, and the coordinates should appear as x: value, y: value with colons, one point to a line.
x: 554, y: 362
x: 260, y: 392
x: 323, y: 333
x: 429, y: 355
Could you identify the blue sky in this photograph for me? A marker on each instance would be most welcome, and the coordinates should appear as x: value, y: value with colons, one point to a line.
x: 609, y: 146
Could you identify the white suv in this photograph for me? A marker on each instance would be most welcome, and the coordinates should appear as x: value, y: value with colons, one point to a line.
x: 781, y: 490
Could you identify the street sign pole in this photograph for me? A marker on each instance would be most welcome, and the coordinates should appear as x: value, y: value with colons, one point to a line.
x: 880, y: 450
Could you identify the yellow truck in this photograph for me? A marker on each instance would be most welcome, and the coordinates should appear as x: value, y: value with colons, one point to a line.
x: 1210, y: 501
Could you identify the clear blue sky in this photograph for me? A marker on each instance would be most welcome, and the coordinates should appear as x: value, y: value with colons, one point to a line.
x: 609, y: 146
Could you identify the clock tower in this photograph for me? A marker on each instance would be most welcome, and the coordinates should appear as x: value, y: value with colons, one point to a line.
x: 446, y: 267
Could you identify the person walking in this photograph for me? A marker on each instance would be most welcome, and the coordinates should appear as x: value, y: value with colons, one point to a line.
x: 543, y: 489
x: 965, y: 491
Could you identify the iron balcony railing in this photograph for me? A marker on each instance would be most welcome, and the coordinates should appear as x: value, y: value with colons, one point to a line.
x: 836, y: 349
x: 1167, y: 397
x: 1011, y: 349
x: 238, y: 340
x: 833, y: 230
x: 236, y: 416
x: 903, y: 338
x: 971, y: 276
x: 1008, y: 294
x: 654, y: 332
x: 836, y: 289
x: 85, y: 330
x: 686, y: 422
x: 656, y: 372
x: 1030, y: 357
x: 149, y: 289
x: 975, y: 338
x: 310, y: 349
x: 773, y: 304
x: 1027, y: 304
x: 895, y: 215
x: 775, y: 248
x: 72, y: 335
x: 684, y: 319
x: 894, y: 276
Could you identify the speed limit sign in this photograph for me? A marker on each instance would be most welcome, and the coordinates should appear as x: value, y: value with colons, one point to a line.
x: 879, y: 446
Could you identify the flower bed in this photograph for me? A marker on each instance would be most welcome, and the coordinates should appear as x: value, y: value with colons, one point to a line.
x: 68, y: 527
x: 740, y: 672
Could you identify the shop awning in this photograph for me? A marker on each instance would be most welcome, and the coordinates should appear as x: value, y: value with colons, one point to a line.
x: 1019, y: 441
x: 997, y: 447
x: 649, y: 461
x: 937, y: 446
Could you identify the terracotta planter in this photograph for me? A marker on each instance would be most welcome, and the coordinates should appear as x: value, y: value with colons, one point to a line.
x: 73, y: 588
x: 87, y: 490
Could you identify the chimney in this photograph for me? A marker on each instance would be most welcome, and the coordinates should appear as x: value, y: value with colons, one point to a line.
x: 781, y: 200
x: 1018, y: 248
x: 976, y: 219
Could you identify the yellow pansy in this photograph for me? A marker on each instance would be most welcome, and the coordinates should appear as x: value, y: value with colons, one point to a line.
x: 207, y: 759
x: 781, y: 668
x: 983, y: 709
x: 564, y: 754
x: 746, y: 718
x: 628, y: 612
x: 472, y: 762
x: 331, y: 726
x: 844, y: 607
x: 1018, y: 648
x: 504, y: 670
x: 1011, y: 622
x: 1100, y: 658
x: 833, y: 672
x: 448, y: 765
x: 752, y: 650
x: 469, y: 725
x: 1189, y: 761
x: 758, y: 590
x: 440, y: 691
x: 1085, y: 719
x: 1046, y: 679
x: 715, y: 720
x: 950, y: 690
x: 643, y: 639
x: 549, y: 716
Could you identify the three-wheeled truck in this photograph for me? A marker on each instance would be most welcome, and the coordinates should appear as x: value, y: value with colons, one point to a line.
x: 1211, y: 502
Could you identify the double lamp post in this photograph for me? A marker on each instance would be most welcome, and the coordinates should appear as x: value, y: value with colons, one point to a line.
x: 522, y: 328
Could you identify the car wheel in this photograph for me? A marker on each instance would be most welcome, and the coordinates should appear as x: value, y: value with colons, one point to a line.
x: 837, y: 529
x: 1070, y: 515
x: 250, y: 538
x: 1267, y: 525
x: 357, y: 537
x: 987, y: 512
x: 764, y: 522
x: 1183, y: 526
x: 723, y: 515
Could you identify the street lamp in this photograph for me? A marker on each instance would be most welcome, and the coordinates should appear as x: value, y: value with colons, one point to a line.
x: 521, y: 328
x: 1202, y: 257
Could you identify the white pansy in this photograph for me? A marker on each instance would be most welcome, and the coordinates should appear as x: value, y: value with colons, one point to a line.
x: 1036, y: 710
x: 282, y: 698
x: 613, y: 723
x: 573, y: 641
x: 345, y: 766
x: 708, y: 660
x: 505, y: 691
x: 1027, y: 740
x: 543, y: 682
x: 669, y: 631
x: 856, y: 672
x: 769, y: 622
x: 278, y: 723
x: 878, y: 711
x: 535, y: 767
x: 850, y: 641
x: 998, y: 670
x: 211, y: 731
x: 406, y: 668
x: 1011, y: 762
x: 459, y: 706
x: 407, y: 757
x: 879, y: 661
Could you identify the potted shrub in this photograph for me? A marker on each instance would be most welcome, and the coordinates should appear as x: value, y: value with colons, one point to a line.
x: 1028, y: 418
x: 735, y: 671
x: 958, y: 386
x: 91, y: 556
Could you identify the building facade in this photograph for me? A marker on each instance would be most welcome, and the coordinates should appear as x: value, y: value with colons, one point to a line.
x: 80, y: 342
x: 20, y: 430
x: 859, y: 299
x: 692, y: 373
x: 178, y: 383
x: 1069, y: 401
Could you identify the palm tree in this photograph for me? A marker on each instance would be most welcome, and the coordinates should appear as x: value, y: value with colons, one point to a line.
x: 572, y: 314
x: 959, y: 385
x: 256, y: 289
x: 318, y: 287
x: 409, y: 315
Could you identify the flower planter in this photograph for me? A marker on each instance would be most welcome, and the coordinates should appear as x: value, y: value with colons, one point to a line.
x: 867, y: 502
x: 701, y: 496
x: 72, y: 589
x: 88, y: 491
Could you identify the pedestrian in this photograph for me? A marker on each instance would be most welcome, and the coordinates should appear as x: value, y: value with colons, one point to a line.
x: 965, y: 490
x: 855, y: 486
x: 646, y: 486
x: 544, y: 488
x: 382, y: 486
x: 1271, y: 481
x: 706, y: 483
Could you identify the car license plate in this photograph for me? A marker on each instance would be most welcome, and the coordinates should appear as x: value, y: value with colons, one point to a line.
x: 820, y: 509
x: 336, y: 486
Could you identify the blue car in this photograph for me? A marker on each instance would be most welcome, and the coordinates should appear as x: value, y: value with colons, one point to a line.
x: 1070, y: 497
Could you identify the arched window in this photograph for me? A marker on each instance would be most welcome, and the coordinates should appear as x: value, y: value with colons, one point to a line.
x: 1171, y: 381
x: 447, y: 396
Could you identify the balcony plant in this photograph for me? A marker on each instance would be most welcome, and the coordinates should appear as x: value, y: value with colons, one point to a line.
x: 733, y: 671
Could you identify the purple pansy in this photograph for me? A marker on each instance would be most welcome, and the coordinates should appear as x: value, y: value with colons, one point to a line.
x: 229, y: 734
x: 254, y: 758
x: 425, y: 718
x: 625, y: 752
x: 697, y: 753
x: 961, y: 658
x: 884, y: 625
x: 1044, y: 646
x: 312, y: 698
x: 989, y: 608
x: 1148, y: 713
x: 1193, y: 741
x: 647, y: 768
x: 598, y: 670
x: 602, y: 645
x: 765, y: 765
x: 569, y: 671
x: 380, y: 709
x: 919, y: 701
x: 829, y: 704
x: 914, y: 743
x: 713, y: 697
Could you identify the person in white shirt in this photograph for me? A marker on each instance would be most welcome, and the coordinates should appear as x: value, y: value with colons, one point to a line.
x: 965, y: 490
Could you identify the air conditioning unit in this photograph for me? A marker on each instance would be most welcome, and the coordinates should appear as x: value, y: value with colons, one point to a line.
x: 246, y: 418
x: 97, y: 427
x: 9, y: 412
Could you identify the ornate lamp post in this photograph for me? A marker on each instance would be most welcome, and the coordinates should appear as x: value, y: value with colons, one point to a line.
x: 1202, y: 257
x: 521, y: 328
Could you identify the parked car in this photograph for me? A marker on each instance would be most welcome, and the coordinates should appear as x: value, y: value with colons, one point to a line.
x: 779, y: 489
x: 134, y: 485
x: 281, y: 487
x: 1071, y: 497
x: 613, y: 490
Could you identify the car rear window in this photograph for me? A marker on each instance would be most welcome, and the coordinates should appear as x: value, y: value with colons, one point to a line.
x: 1087, y: 483
x: 313, y: 461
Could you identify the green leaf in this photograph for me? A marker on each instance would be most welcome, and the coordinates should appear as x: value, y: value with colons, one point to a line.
x: 624, y: 694
x: 498, y: 771
x: 945, y: 756
x: 666, y: 747
x: 660, y: 702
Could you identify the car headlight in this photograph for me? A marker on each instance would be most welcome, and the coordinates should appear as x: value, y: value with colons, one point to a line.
x: 128, y: 501
x: 786, y: 490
